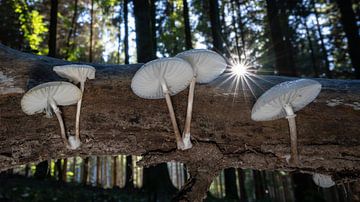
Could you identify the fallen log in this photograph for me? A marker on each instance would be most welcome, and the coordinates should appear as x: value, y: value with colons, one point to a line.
x: 115, y: 121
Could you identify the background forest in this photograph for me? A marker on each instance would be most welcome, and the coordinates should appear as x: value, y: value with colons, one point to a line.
x: 306, y: 38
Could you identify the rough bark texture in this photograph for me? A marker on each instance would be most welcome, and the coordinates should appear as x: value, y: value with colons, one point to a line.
x: 115, y: 121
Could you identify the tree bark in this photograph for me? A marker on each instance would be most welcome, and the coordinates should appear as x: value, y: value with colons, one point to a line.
x: 188, y: 42
x: 52, y: 29
x: 114, y: 121
x: 215, y: 25
x: 144, y: 41
x: 348, y: 21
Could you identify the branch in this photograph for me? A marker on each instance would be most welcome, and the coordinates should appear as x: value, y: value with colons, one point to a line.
x: 115, y: 121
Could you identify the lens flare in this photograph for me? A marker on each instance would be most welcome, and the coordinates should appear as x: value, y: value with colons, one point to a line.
x: 240, y: 69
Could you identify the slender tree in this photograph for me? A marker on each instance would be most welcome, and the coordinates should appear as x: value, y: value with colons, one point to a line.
x: 303, y: 19
x: 42, y: 170
x: 86, y: 171
x: 64, y: 171
x: 153, y: 26
x: 114, y: 169
x: 284, y: 64
x: 230, y: 184
x: 98, y: 171
x: 129, y: 185
x: 259, y: 185
x: 348, y: 21
x: 157, y: 183
x: 322, y: 43
x: 126, y: 30
x: 241, y: 181
x: 73, y: 27
x: 143, y: 26
x: 91, y: 31
x: 215, y: 25
x: 188, y: 43
x: 52, y: 28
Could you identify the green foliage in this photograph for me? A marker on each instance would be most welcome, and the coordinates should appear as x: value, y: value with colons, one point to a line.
x: 32, y: 26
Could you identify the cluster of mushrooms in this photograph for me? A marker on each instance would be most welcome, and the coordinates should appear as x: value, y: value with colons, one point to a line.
x: 162, y: 78
x: 168, y: 76
x: 48, y: 96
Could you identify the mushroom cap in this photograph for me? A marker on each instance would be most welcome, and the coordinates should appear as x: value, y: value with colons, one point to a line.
x: 176, y: 73
x: 36, y: 99
x: 207, y: 64
x: 297, y: 93
x: 75, y: 73
x: 323, y: 181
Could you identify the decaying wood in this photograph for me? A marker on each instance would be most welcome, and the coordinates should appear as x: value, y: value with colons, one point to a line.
x: 115, y: 121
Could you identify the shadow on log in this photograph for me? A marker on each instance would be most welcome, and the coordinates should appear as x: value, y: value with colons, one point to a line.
x: 115, y: 121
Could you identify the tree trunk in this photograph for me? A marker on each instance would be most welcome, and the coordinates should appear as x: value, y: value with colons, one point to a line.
x: 230, y: 184
x: 242, y: 28
x: 321, y: 37
x: 144, y: 41
x: 129, y: 182
x: 117, y: 121
x: 52, y: 28
x: 348, y: 21
x: 86, y: 171
x: 64, y: 170
x: 259, y: 185
x: 42, y: 170
x: 153, y: 27
x: 126, y: 30
x: 311, y: 48
x: 241, y: 180
x: 91, y: 31
x: 157, y: 183
x: 188, y: 42
x: 283, y: 62
x: 215, y: 25
x: 114, y: 171
x: 98, y: 171
x: 235, y: 28
x: 72, y: 28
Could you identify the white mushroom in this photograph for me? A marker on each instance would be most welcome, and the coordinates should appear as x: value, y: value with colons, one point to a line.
x: 324, y: 181
x: 46, y: 97
x: 161, y: 78
x: 76, y: 74
x: 207, y: 66
x: 283, y: 100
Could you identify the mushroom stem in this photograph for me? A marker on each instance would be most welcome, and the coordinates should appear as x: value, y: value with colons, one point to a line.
x: 61, y: 123
x: 78, y: 108
x: 293, y: 134
x: 179, y: 142
x: 186, y: 134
